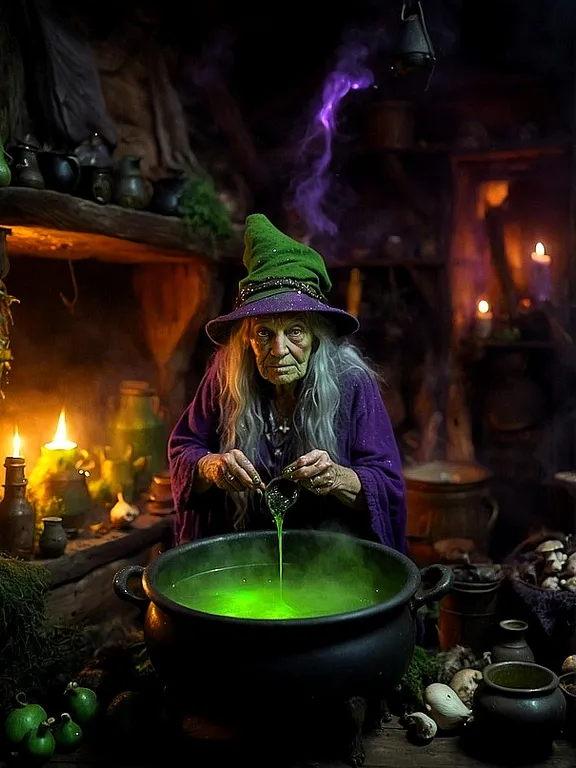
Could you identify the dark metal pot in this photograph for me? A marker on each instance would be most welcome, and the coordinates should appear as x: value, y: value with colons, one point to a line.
x: 229, y: 663
x: 519, y: 702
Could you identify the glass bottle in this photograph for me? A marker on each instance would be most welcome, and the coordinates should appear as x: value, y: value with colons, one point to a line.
x: 17, y: 521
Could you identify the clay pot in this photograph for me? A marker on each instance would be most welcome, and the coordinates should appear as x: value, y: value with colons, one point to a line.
x: 53, y: 539
x: 513, y: 645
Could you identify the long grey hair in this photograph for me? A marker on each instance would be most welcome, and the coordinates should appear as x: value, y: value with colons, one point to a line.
x: 243, y: 410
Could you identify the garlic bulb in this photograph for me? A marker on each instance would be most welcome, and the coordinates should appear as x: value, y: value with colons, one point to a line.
x: 444, y: 706
x: 464, y: 683
x: 123, y: 514
x: 420, y: 727
x: 569, y: 664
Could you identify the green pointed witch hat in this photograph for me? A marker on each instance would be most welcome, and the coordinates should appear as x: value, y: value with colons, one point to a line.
x: 284, y: 275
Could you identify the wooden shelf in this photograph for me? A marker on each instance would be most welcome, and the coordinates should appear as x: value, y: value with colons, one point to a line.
x: 53, y: 225
x: 516, y: 344
x: 381, y: 263
x: 528, y: 152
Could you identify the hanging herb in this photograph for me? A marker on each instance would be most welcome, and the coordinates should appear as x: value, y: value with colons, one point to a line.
x: 6, y: 319
x: 202, y: 211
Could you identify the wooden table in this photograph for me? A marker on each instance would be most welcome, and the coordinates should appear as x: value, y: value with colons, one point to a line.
x: 81, y: 578
x: 388, y: 748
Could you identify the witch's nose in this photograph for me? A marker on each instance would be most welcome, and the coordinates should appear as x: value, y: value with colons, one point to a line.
x: 279, y: 347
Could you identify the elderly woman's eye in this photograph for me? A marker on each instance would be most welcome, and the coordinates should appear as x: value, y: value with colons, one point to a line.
x: 295, y: 332
x: 262, y: 333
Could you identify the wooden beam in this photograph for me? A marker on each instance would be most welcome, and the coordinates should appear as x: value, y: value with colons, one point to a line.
x: 85, y: 554
x: 40, y: 242
x: 55, y: 225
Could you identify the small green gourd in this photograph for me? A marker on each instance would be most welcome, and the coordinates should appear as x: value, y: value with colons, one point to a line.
x: 82, y: 703
x: 23, y: 719
x: 68, y: 734
x: 5, y: 173
x: 39, y: 743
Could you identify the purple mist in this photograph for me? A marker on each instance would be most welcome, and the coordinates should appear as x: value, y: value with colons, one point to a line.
x: 315, y: 151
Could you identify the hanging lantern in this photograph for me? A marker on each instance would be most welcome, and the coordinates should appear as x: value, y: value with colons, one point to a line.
x: 415, y: 49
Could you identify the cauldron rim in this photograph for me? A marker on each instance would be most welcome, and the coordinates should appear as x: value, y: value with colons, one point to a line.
x: 415, y: 482
x: 401, y: 598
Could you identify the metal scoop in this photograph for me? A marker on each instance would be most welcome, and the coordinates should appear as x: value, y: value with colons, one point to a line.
x: 280, y: 495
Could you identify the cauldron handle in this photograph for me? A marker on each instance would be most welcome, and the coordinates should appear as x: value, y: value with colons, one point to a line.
x: 444, y: 579
x: 122, y: 588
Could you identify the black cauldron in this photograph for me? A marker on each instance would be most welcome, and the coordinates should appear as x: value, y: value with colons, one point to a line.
x: 229, y: 665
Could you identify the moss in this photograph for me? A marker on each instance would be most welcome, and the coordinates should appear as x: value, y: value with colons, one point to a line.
x: 35, y: 655
x: 202, y: 211
x: 421, y: 672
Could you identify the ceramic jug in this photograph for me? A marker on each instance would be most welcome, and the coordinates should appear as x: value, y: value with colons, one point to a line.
x: 166, y: 196
x: 93, y: 151
x: 512, y: 645
x: 61, y: 171
x: 24, y: 169
x: 70, y: 490
x: 139, y: 423
x: 53, y: 539
x: 130, y: 191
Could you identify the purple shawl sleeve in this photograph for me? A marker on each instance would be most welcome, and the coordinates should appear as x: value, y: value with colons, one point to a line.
x: 375, y: 458
x: 194, y: 436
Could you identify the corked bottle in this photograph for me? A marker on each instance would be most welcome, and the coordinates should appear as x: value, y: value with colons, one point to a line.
x: 17, y: 522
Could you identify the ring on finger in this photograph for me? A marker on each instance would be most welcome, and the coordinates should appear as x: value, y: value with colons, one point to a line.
x: 229, y: 477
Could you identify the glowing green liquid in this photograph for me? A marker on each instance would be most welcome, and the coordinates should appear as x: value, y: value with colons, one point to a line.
x: 251, y: 592
x: 279, y: 520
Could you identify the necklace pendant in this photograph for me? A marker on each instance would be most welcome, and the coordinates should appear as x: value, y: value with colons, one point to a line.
x: 284, y: 428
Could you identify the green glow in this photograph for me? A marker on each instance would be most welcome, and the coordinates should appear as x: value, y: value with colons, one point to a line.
x: 253, y: 592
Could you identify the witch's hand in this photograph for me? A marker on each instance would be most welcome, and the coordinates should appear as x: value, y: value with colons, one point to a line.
x: 230, y: 471
x: 316, y: 471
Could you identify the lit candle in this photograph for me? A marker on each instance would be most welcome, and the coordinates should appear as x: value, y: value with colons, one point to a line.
x: 60, y: 450
x: 541, y: 275
x: 484, y: 319
x: 16, y: 444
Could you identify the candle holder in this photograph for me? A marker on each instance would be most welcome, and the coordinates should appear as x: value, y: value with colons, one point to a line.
x: 17, y: 520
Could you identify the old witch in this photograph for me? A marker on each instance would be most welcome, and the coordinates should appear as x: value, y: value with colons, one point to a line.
x: 286, y: 394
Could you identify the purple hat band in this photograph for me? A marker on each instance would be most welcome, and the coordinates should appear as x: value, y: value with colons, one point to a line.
x: 289, y: 301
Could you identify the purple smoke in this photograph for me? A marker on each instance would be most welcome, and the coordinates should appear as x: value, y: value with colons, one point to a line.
x: 315, y: 153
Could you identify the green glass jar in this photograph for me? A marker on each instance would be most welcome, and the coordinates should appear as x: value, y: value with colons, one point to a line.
x: 138, y: 422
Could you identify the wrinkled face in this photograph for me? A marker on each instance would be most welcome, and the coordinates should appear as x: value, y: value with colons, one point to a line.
x: 282, y: 345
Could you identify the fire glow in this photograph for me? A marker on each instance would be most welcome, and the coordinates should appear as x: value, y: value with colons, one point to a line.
x: 60, y: 441
x: 16, y: 444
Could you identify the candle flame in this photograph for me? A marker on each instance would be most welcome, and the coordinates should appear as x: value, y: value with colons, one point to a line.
x: 539, y: 254
x: 16, y: 444
x: 60, y: 440
x: 483, y: 307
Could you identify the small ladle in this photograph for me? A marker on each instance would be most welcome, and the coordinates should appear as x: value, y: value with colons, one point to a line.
x: 280, y: 495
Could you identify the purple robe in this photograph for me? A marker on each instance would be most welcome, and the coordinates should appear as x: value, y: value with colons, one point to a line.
x: 366, y: 443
